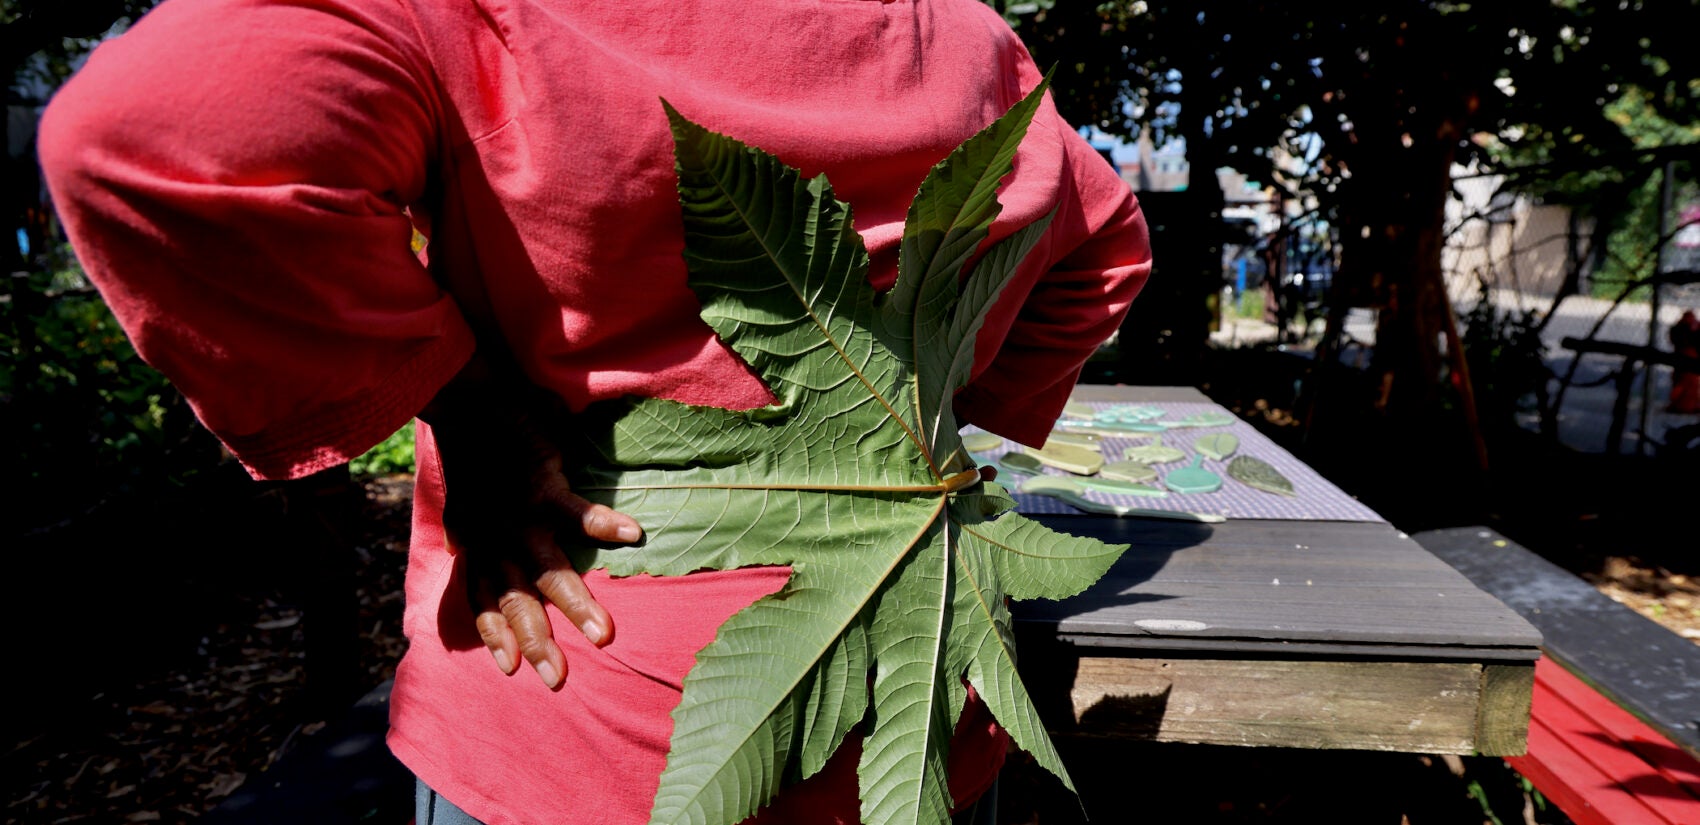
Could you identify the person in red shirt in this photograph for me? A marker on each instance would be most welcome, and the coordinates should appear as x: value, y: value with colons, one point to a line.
x: 1685, y: 384
x: 241, y: 179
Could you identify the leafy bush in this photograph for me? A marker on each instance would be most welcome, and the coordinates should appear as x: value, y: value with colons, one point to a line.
x: 393, y: 455
x: 1507, y: 360
x: 86, y: 418
x: 1250, y: 304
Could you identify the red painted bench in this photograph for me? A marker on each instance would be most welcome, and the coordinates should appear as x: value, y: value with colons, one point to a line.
x: 1614, y: 732
x: 1601, y: 765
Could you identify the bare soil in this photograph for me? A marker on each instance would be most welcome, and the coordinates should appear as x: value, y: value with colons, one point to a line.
x: 1669, y: 598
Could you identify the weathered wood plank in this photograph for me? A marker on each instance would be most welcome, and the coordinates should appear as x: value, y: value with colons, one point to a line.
x: 1502, y: 717
x: 1382, y: 706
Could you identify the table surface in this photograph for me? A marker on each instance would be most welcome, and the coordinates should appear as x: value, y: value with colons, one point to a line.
x: 1329, y: 633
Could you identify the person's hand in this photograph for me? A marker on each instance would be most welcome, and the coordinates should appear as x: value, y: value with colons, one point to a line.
x: 507, y: 503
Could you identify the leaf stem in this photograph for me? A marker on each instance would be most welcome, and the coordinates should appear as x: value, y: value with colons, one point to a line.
x: 960, y: 481
x: 966, y: 478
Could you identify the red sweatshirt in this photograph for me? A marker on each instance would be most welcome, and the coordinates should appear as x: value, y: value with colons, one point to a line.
x: 241, y: 178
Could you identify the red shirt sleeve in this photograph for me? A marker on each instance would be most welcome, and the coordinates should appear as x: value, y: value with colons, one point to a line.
x: 234, y: 178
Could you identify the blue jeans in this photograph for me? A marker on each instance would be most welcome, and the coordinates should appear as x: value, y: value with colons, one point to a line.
x: 430, y: 808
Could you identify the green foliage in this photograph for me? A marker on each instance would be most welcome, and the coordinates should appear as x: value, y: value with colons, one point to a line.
x: 1621, y: 191
x: 1507, y: 360
x: 1366, y: 108
x: 47, y: 39
x: 1638, y: 231
x: 856, y: 478
x: 85, y: 417
x: 392, y: 455
x: 1250, y: 304
x: 84, y: 420
x: 1256, y: 85
x: 1631, y: 244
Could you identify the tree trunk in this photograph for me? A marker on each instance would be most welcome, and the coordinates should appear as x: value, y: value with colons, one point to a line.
x: 1392, y: 228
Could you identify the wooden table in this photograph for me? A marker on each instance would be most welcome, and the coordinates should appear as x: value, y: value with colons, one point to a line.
x: 1286, y: 633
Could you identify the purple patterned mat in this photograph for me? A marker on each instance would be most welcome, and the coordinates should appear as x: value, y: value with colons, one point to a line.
x: 1315, y: 499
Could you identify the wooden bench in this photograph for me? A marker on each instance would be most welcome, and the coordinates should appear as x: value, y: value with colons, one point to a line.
x: 1616, y: 708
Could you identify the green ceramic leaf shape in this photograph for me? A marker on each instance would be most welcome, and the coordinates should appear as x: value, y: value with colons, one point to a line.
x: 1120, y: 488
x: 1087, y: 441
x: 1068, y: 458
x: 1193, y: 478
x: 1153, y: 454
x: 1210, y: 418
x: 854, y: 477
x: 981, y: 442
x: 1128, y: 471
x: 1020, y: 464
x: 1217, y: 445
x: 1079, y: 410
x: 1109, y: 429
x: 1067, y: 490
x: 1255, y: 472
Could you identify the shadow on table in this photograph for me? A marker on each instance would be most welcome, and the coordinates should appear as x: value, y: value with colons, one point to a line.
x: 1046, y: 630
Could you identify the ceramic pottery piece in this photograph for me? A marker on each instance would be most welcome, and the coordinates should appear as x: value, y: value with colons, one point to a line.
x: 1072, y: 459
x: 1109, y: 430
x: 1067, y: 490
x: 1132, y: 426
x: 1217, y: 445
x: 1020, y: 464
x: 1084, y: 440
x: 1203, y: 419
x: 1120, y: 488
x: 1257, y: 473
x: 1127, y: 415
x: 1128, y: 471
x: 1061, y: 489
x: 981, y: 442
x: 1138, y: 415
x: 1079, y: 410
x: 1110, y: 414
x: 1193, y: 478
x: 1152, y: 454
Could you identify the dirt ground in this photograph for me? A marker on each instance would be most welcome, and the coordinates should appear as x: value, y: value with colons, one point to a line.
x: 168, y: 738
x: 1669, y: 598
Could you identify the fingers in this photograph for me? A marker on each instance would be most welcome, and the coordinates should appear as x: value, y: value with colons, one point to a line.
x: 530, y: 627
x: 561, y: 585
x: 510, y: 616
x: 498, y: 636
x: 509, y: 501
x: 597, y: 521
x: 511, y: 621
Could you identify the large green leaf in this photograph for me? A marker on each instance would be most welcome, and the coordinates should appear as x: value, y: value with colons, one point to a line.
x: 855, y: 477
